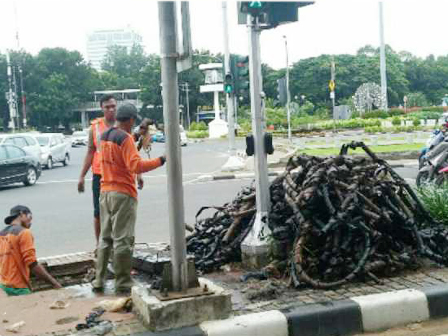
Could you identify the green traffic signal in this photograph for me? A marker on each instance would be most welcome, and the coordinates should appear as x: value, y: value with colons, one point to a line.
x: 228, y: 83
x: 255, y: 4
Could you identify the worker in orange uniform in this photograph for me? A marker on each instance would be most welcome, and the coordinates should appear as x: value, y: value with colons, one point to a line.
x: 18, y: 254
x: 93, y: 156
x: 120, y: 163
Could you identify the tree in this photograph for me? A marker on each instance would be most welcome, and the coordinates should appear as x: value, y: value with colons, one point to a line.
x: 60, y: 79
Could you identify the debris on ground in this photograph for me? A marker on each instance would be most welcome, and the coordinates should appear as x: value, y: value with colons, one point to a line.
x: 15, y: 328
x: 117, y: 305
x: 333, y: 220
x: 264, y: 291
x: 92, y: 319
x: 59, y: 304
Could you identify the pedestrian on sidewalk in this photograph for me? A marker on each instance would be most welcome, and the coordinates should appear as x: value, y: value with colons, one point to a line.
x: 120, y: 163
x: 18, y: 254
x: 92, y: 159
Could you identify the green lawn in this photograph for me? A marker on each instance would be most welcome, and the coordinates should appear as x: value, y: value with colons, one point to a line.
x: 376, y: 149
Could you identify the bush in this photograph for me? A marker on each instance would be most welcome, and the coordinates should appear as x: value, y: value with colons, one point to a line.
x: 373, y: 129
x: 375, y: 114
x: 396, y: 121
x: 398, y: 129
x: 426, y: 115
x: 433, y: 109
x: 434, y: 200
x: 198, y: 126
x: 197, y: 134
x: 416, y: 122
x: 396, y: 112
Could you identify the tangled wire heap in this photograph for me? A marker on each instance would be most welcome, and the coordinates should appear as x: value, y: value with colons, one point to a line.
x: 333, y: 220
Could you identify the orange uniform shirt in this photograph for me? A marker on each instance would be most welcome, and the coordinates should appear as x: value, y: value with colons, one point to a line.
x: 17, y: 253
x: 99, y: 126
x: 120, y: 162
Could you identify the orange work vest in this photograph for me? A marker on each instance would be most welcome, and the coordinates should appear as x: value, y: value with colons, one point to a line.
x: 98, y: 128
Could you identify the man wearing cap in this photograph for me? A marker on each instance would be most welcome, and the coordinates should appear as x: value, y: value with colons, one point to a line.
x: 120, y: 164
x: 18, y: 255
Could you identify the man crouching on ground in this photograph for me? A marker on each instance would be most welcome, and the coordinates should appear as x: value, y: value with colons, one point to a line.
x: 18, y: 255
x: 120, y: 163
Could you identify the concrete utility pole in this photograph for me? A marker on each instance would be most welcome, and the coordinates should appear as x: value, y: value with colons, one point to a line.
x: 254, y: 247
x: 383, y: 62
x: 11, y: 98
x: 229, y: 96
x: 288, y: 93
x: 170, y: 94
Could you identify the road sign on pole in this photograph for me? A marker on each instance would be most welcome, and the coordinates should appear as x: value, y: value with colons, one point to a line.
x: 331, y: 85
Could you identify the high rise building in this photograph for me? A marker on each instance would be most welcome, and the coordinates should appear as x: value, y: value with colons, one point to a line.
x: 99, y: 41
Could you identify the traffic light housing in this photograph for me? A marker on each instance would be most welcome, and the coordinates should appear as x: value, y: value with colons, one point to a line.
x: 228, y: 83
x: 281, y: 89
x: 272, y: 13
x: 240, y: 70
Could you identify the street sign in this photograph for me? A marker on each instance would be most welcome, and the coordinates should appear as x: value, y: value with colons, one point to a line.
x: 332, y: 85
x: 332, y: 94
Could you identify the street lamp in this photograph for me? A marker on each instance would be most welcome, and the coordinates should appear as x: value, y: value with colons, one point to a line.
x: 288, y: 95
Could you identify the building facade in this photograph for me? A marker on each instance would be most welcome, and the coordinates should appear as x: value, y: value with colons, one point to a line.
x: 99, y: 41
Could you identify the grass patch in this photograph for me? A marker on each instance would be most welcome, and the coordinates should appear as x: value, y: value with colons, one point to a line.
x: 376, y: 149
x: 434, y: 199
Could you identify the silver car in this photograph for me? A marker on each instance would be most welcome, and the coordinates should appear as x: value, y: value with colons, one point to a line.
x: 80, y: 138
x: 25, y: 141
x: 55, y: 149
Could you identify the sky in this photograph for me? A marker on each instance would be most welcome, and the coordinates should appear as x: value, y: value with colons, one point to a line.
x: 326, y: 27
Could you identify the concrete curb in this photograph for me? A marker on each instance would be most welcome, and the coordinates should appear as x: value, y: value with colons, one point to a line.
x: 356, y: 315
x: 217, y: 177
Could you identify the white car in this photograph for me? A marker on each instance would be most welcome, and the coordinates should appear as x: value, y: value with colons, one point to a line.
x: 54, y: 149
x: 25, y: 141
x: 80, y: 138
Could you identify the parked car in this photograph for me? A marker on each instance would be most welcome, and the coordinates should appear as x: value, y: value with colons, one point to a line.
x: 158, y: 137
x: 80, y: 138
x: 17, y: 166
x: 54, y: 149
x: 25, y: 141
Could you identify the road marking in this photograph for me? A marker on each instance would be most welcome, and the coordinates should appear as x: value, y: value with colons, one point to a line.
x: 144, y: 176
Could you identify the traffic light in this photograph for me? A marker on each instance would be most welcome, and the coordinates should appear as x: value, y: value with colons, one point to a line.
x: 253, y: 7
x: 272, y: 13
x: 281, y: 88
x: 240, y: 70
x: 228, y: 83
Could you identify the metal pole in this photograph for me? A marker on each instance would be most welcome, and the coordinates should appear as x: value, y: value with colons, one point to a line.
x: 229, y: 96
x: 22, y: 90
x: 383, y: 62
x: 288, y: 94
x: 12, y: 109
x: 255, y: 242
x: 188, y: 105
x: 170, y: 93
x: 333, y: 94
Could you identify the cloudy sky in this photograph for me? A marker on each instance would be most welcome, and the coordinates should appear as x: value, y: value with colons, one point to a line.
x: 327, y: 27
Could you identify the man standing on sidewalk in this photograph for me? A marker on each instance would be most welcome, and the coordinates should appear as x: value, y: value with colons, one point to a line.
x: 120, y: 163
x: 93, y: 157
x: 18, y: 254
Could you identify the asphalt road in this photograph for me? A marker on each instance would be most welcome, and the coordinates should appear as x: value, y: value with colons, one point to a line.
x: 63, y: 218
